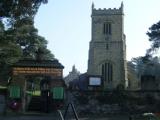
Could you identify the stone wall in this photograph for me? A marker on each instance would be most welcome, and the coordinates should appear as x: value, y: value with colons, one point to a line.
x: 115, y: 102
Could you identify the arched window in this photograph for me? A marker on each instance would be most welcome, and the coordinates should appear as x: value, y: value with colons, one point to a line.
x: 107, y: 72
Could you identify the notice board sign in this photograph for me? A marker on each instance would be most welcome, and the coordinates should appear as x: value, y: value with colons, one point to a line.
x: 37, y: 70
x: 94, y: 81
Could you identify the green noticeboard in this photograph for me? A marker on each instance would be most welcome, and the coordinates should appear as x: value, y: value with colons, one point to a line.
x: 58, y: 92
x: 14, y: 91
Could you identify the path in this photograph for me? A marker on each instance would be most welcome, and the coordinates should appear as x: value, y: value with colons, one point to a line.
x: 50, y: 117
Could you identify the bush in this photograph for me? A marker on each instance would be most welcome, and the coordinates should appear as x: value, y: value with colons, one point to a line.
x: 82, y: 99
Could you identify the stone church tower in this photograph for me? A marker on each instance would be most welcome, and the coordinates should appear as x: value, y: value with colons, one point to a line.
x: 107, y: 52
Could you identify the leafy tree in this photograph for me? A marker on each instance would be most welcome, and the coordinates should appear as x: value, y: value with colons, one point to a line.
x: 154, y: 38
x: 148, y: 64
x: 139, y: 65
x: 151, y: 66
x: 133, y: 82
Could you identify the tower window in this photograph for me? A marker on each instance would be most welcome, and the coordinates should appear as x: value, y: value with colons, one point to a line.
x: 107, y: 72
x: 107, y: 46
x: 107, y: 28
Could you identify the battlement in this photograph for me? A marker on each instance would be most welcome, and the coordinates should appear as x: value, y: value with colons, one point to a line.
x: 109, y: 11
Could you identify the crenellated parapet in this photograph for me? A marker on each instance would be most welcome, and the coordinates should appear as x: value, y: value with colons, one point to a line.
x: 109, y: 11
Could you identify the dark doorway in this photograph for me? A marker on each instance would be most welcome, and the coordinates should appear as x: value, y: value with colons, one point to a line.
x: 45, y: 94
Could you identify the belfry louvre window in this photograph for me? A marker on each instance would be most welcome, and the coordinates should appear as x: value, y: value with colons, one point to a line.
x: 107, y: 28
x: 107, y: 72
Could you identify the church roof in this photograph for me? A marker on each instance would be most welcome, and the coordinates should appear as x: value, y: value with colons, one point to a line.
x: 43, y: 63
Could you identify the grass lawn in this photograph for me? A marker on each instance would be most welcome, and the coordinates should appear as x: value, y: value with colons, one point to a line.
x: 3, y: 87
x: 35, y: 93
x: 158, y: 117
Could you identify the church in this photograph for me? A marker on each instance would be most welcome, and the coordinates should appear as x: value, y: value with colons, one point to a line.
x: 107, y: 48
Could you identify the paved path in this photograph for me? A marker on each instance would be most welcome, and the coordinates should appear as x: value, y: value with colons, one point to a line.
x: 50, y: 117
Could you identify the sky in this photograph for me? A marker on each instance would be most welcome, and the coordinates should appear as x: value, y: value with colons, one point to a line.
x: 66, y: 24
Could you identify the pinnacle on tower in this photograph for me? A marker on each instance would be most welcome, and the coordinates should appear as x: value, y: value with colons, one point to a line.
x: 73, y: 68
x: 122, y: 5
x: 92, y: 5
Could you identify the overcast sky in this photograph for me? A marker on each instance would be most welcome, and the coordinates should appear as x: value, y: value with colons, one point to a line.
x: 66, y: 24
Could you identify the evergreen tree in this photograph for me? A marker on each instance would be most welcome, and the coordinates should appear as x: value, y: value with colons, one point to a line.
x: 21, y: 33
x: 10, y: 52
x: 19, y: 8
x: 26, y: 36
x: 19, y: 38
x: 154, y: 38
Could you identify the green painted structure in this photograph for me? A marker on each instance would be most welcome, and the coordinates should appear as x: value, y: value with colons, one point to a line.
x: 52, y: 83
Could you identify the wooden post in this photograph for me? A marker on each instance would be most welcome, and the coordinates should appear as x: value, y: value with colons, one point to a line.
x: 24, y: 96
